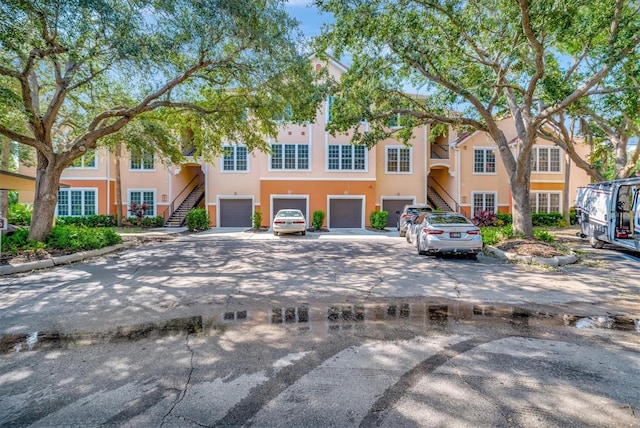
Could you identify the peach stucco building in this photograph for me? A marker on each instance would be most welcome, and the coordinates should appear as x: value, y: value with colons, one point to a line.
x: 310, y: 169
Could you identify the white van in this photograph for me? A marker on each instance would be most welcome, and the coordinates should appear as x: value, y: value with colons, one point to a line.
x: 609, y: 212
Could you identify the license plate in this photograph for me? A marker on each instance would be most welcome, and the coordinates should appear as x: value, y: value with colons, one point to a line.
x: 454, y: 234
x: 288, y: 223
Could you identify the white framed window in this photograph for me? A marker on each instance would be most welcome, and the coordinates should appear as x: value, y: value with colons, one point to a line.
x: 235, y: 159
x: 546, y: 159
x: 289, y: 157
x: 484, y: 161
x: 86, y: 161
x: 142, y: 160
x: 484, y: 201
x: 398, y: 160
x: 346, y: 157
x: 545, y: 202
x: 77, y: 202
x: 146, y: 196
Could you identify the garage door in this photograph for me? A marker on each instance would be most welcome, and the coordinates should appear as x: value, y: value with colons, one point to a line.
x: 345, y: 213
x: 393, y: 205
x: 235, y: 212
x: 296, y: 204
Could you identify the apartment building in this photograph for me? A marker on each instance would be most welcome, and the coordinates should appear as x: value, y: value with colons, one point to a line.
x: 310, y: 169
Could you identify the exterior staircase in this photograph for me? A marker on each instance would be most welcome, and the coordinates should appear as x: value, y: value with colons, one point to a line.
x: 179, y: 216
x: 437, y: 201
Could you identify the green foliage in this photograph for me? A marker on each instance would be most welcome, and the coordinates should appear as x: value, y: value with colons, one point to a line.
x: 157, y: 221
x: 492, y: 235
x: 19, y: 241
x: 97, y: 220
x: 79, y: 238
x: 20, y: 214
x: 256, y: 219
x: 572, y: 215
x: 198, y: 219
x: 504, y: 218
x: 548, y: 219
x: 317, y: 220
x: 67, y: 237
x: 378, y: 219
x: 543, y: 235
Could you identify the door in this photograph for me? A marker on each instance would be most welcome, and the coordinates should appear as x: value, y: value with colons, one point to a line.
x: 293, y: 203
x: 392, y: 206
x: 345, y: 213
x: 235, y: 212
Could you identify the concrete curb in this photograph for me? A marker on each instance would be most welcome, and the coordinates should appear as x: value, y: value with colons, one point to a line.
x: 549, y: 261
x: 57, y: 261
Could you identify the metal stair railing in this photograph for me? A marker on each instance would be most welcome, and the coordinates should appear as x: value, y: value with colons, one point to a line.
x: 437, y: 189
x: 172, y: 209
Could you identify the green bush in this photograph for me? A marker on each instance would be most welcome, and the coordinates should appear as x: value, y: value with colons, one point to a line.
x: 547, y: 219
x: 256, y: 219
x: 572, y: 215
x: 20, y: 214
x: 157, y: 221
x: 378, y: 219
x: 97, y: 220
x: 543, y: 235
x: 493, y: 235
x: 318, y: 219
x: 504, y: 218
x: 79, y: 238
x: 19, y: 241
x: 198, y: 219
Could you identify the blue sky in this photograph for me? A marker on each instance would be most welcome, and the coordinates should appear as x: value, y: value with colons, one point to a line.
x: 309, y: 16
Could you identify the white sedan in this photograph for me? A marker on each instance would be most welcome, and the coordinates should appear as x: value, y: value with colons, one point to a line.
x: 289, y: 221
x: 448, y: 233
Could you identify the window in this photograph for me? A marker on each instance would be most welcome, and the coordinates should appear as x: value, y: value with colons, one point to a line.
x: 398, y: 159
x: 86, y: 161
x: 142, y: 160
x: 484, y: 202
x: 290, y: 156
x: 144, y: 196
x: 345, y: 157
x: 545, y: 159
x: 484, y: 161
x: 545, y: 202
x: 235, y: 158
x: 76, y: 202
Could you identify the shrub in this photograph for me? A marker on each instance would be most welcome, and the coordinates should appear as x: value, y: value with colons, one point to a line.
x: 19, y: 241
x: 493, y: 235
x: 505, y: 218
x: 20, y: 214
x: 256, y: 219
x: 78, y: 238
x: 378, y: 219
x: 572, y: 215
x: 547, y: 219
x: 318, y: 219
x: 96, y: 220
x: 484, y: 218
x: 198, y: 219
x: 543, y: 235
x: 157, y: 221
x: 138, y: 211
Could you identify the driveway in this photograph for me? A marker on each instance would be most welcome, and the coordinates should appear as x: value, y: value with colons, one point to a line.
x: 240, y: 329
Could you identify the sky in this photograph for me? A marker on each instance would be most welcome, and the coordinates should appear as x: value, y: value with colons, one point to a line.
x: 311, y: 19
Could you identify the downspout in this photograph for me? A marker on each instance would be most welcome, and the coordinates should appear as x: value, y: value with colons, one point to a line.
x: 108, y: 182
x: 426, y: 163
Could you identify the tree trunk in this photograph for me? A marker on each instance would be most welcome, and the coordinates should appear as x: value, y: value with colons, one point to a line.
x: 4, y: 165
x: 46, y: 198
x: 522, y: 222
x: 565, y: 193
x: 118, y: 186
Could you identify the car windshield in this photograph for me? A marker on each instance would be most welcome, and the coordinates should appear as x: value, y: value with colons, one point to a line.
x: 289, y: 213
x: 447, y: 219
x: 418, y: 210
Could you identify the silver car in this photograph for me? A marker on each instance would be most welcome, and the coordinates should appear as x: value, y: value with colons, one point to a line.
x: 289, y: 221
x: 410, y: 212
x: 448, y: 233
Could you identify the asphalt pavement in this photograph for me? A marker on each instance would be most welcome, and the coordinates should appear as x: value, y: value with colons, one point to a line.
x: 237, y: 328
